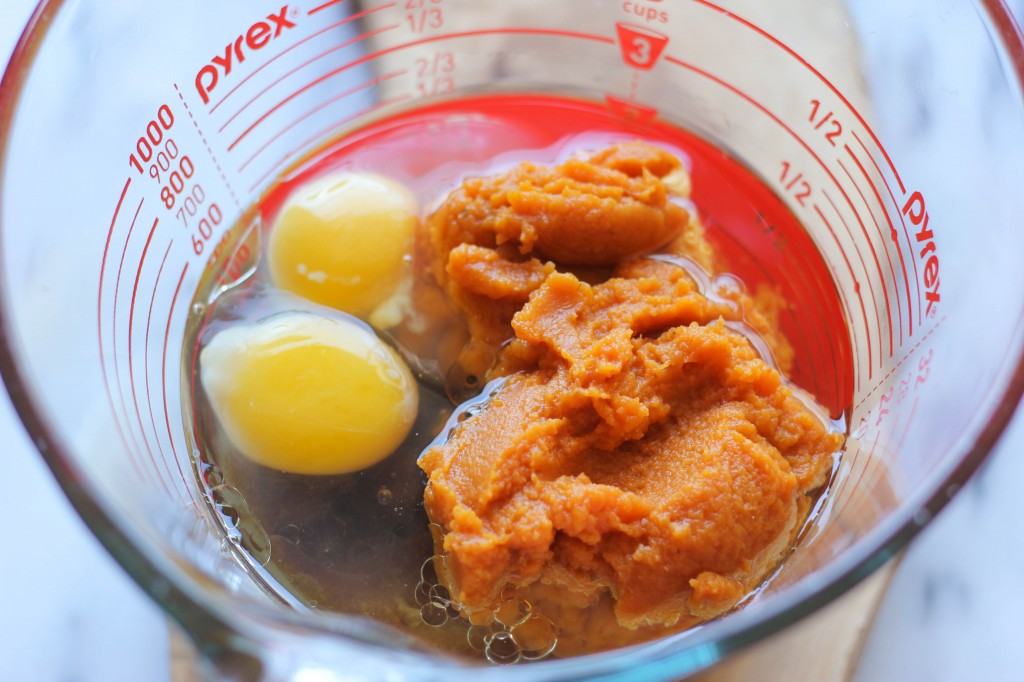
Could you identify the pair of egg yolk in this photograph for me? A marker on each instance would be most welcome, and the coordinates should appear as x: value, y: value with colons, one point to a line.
x: 314, y: 391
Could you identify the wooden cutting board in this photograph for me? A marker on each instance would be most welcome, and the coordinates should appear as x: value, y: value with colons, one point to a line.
x: 826, y: 647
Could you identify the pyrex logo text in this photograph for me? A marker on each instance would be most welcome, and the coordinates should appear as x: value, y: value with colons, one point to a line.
x: 915, y: 210
x: 258, y: 35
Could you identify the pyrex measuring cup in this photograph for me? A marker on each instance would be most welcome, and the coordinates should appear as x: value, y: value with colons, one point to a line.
x: 892, y: 130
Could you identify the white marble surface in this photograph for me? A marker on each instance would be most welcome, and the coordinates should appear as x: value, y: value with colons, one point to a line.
x: 68, y: 613
x: 955, y: 610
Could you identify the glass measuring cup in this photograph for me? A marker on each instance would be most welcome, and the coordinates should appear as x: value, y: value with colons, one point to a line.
x: 858, y: 148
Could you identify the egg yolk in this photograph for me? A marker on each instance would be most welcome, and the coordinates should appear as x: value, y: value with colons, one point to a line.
x: 309, y: 394
x: 343, y: 240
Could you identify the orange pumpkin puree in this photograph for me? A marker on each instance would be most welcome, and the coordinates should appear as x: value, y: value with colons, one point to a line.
x: 642, y: 466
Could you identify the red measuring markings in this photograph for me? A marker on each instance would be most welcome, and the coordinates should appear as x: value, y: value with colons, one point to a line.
x: 153, y: 145
x: 871, y: 287
x: 860, y: 299
x: 131, y: 337
x: 99, y: 330
x: 320, y: 79
x: 757, y: 29
x: 424, y: 15
x: 833, y: 129
x: 163, y: 363
x: 149, y: 395
x: 324, y: 6
x: 114, y: 342
x: 894, y: 235
x: 114, y: 327
x: 908, y: 383
x: 320, y: 134
x: 888, y: 189
x: 885, y: 252
x: 640, y: 46
x: 183, y: 192
x: 236, y: 263
x: 322, y: 105
x: 932, y: 296
x: 803, y: 143
x: 299, y: 43
x: 397, y: 48
x: 370, y: 83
